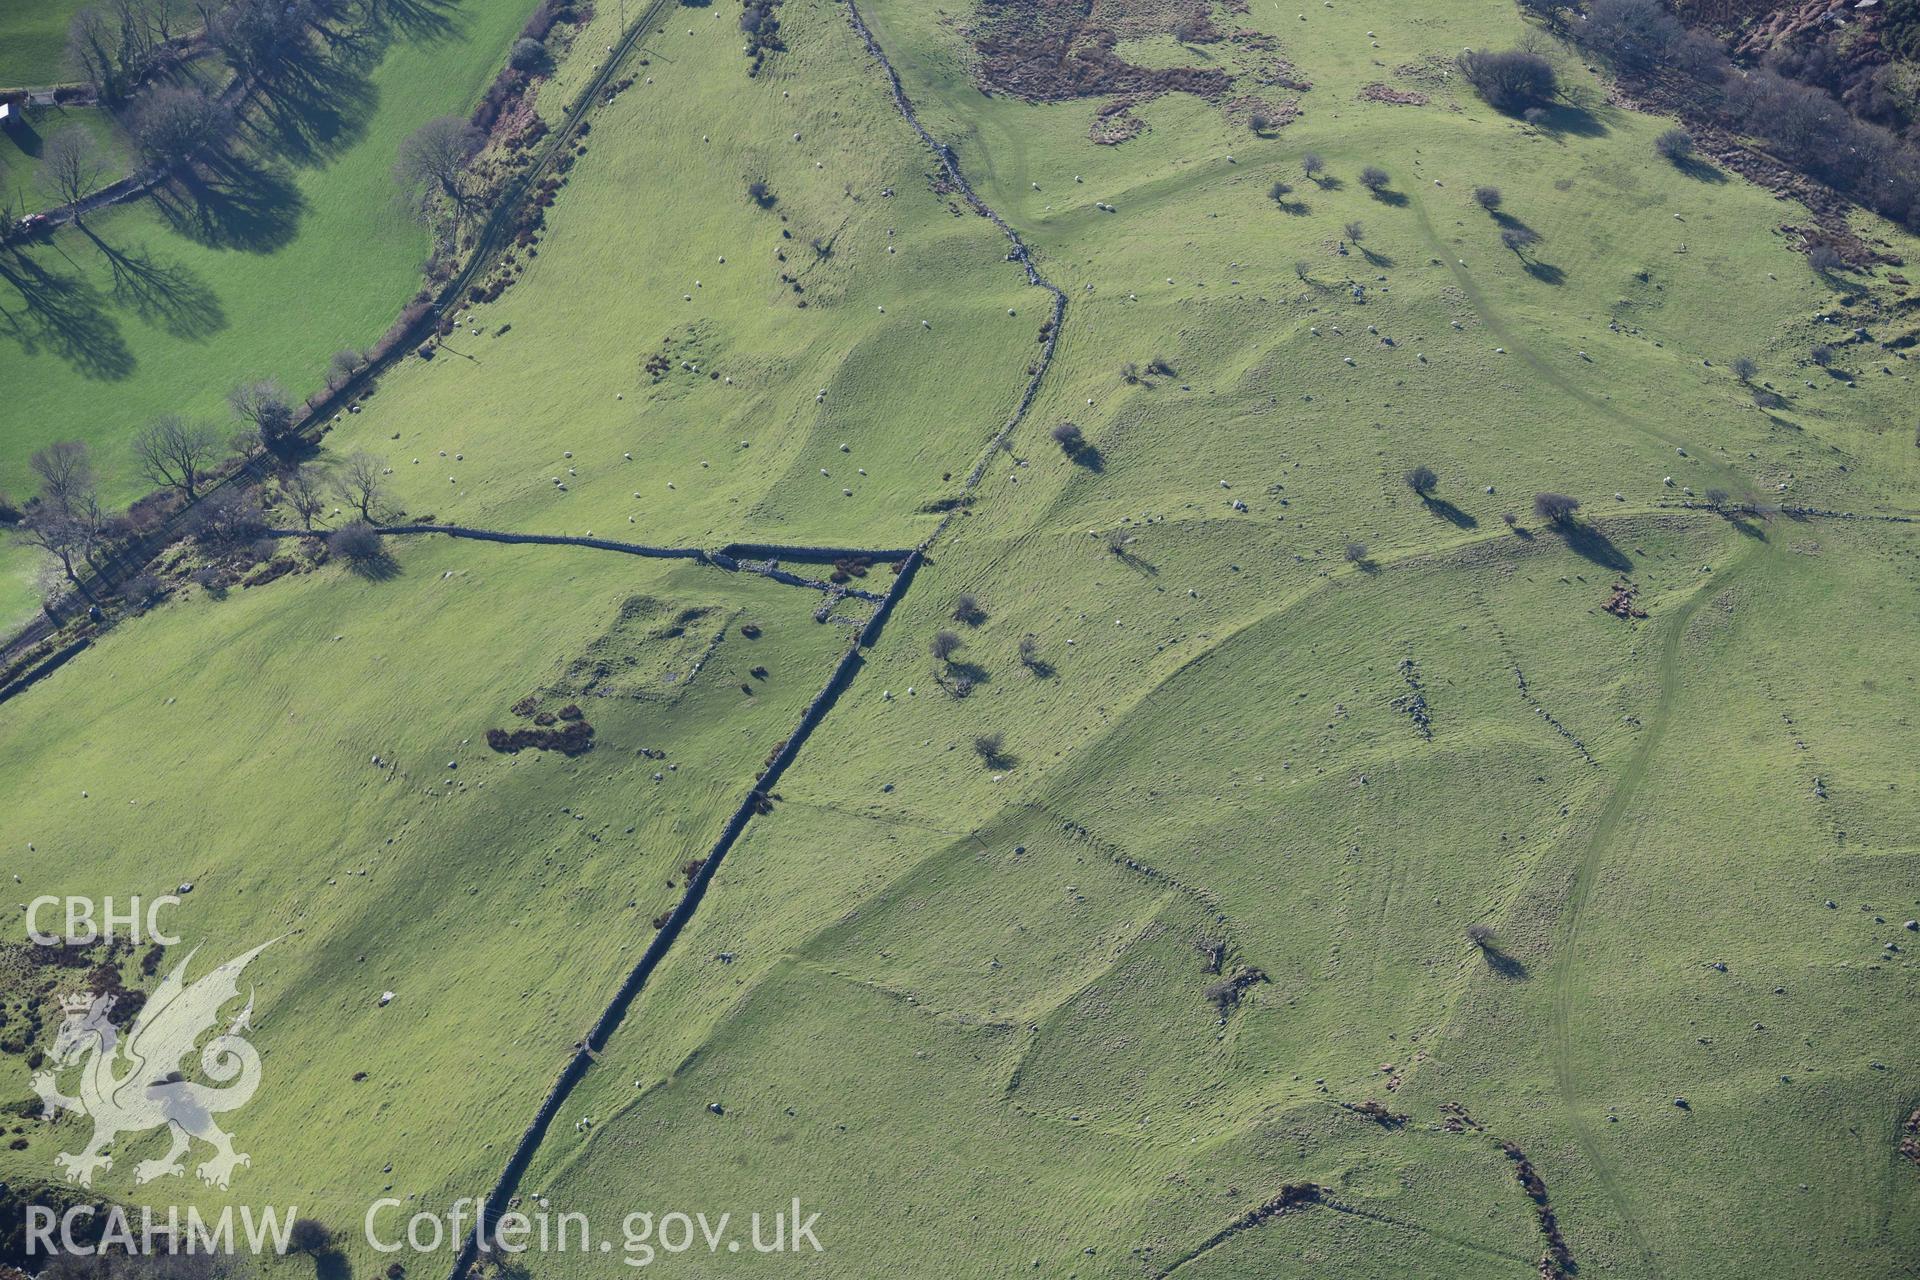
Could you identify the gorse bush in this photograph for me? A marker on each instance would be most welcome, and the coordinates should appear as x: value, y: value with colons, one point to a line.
x: 1675, y: 144
x: 356, y: 543
x: 1510, y: 81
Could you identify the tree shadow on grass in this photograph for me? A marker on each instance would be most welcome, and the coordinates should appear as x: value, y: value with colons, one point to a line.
x: 236, y: 203
x: 1391, y: 198
x: 1589, y: 543
x: 163, y: 294
x: 1700, y: 170
x: 1450, y: 513
x: 380, y: 568
x: 1544, y: 272
x: 1512, y: 968
x: 422, y: 21
x: 1571, y: 117
x: 1742, y: 525
x: 1090, y: 457
x: 318, y: 108
x: 1377, y: 259
x: 64, y: 314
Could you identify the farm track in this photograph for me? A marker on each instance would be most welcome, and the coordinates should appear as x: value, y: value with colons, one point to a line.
x: 1567, y: 966
x: 843, y: 674
x: 1546, y: 371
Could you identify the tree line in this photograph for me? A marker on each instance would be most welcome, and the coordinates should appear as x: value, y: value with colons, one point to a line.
x: 1802, y: 125
x: 185, y: 460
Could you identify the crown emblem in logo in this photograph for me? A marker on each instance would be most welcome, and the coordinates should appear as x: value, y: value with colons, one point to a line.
x: 132, y: 1083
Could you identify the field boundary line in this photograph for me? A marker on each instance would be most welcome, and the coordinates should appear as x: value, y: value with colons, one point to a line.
x: 314, y: 419
x: 588, y: 1049
x: 720, y: 559
x: 1020, y: 253
x: 843, y: 674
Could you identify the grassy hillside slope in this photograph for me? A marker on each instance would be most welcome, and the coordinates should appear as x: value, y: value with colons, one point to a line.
x: 979, y: 1030
x: 894, y: 345
x: 313, y: 760
x: 1174, y: 976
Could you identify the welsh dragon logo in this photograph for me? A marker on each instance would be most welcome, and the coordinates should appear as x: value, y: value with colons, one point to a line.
x: 134, y: 1084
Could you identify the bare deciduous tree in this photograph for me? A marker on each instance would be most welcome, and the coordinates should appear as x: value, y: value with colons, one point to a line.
x: 305, y: 490
x: 65, y: 469
x: 433, y: 161
x: 1519, y: 239
x: 345, y: 363
x: 257, y: 37
x: 265, y: 405
x: 116, y: 44
x: 357, y: 543
x: 174, y: 123
x: 1676, y: 145
x: 71, y: 164
x: 945, y: 644
x: 176, y: 453
x: 1030, y: 653
x: 361, y: 483
x: 69, y: 539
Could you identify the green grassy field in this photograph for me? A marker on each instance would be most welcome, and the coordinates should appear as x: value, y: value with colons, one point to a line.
x: 375, y: 877
x: 1032, y: 1023
x: 33, y: 42
x: 317, y: 256
x: 20, y: 152
x: 964, y: 1008
x: 742, y: 435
